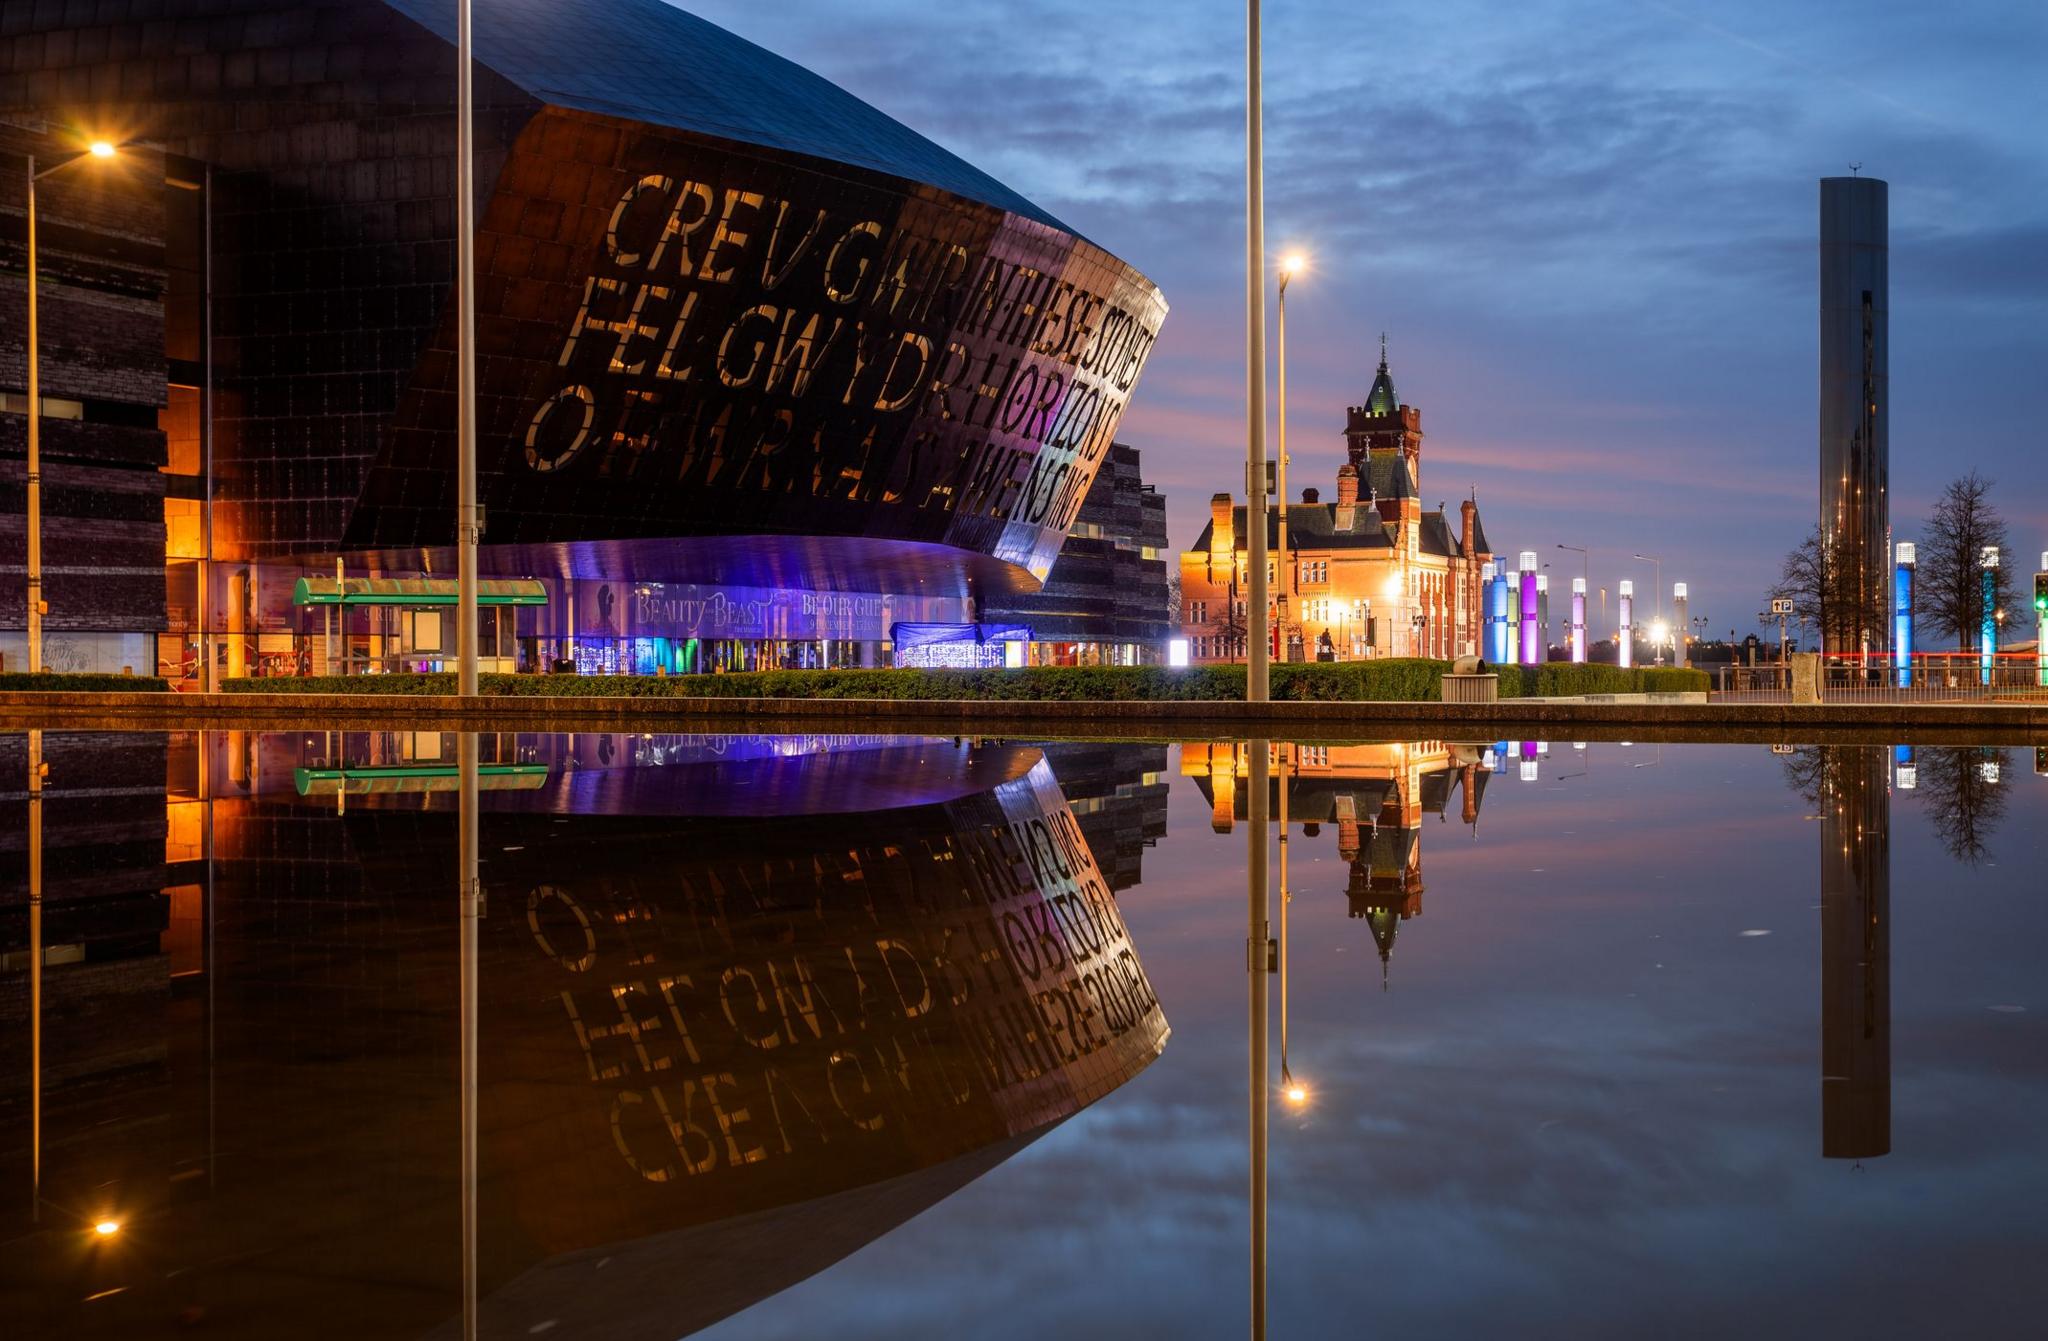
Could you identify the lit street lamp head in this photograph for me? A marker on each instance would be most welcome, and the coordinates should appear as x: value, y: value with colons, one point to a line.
x: 103, y: 149
x: 1292, y: 264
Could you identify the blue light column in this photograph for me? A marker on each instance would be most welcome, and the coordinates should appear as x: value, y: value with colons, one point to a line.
x: 1902, y: 614
x: 1498, y: 640
x: 1987, y: 633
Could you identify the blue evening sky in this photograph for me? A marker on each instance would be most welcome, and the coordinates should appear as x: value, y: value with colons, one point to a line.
x: 1588, y: 227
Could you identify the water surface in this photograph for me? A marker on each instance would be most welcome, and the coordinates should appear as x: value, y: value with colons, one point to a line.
x: 876, y: 1036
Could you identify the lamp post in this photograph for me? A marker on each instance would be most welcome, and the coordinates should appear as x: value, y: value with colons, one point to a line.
x: 467, y: 522
x: 36, y: 604
x: 1291, y: 265
x: 1654, y: 559
x: 1585, y: 561
x: 1255, y: 686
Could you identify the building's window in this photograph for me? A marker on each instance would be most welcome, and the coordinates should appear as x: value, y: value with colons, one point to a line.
x: 179, y: 420
x: 14, y: 402
x: 184, y: 536
x: 1198, y: 612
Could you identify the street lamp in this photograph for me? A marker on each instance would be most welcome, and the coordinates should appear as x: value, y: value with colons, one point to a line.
x: 1292, y: 264
x: 1652, y: 558
x: 1255, y: 678
x: 466, y: 519
x: 101, y: 149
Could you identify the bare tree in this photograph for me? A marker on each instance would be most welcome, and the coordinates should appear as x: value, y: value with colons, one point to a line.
x: 1950, y: 577
x: 1820, y: 579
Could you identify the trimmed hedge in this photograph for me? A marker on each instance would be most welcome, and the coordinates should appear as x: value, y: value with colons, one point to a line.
x: 80, y: 682
x: 1383, y: 680
x: 1563, y: 679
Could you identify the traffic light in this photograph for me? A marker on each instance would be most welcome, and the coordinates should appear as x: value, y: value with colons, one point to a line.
x: 2041, y: 593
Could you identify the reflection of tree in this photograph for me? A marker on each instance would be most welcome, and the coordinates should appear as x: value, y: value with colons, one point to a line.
x: 1810, y: 769
x: 1963, y: 804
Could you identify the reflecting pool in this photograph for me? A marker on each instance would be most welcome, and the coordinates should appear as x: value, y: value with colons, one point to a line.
x: 887, y: 1036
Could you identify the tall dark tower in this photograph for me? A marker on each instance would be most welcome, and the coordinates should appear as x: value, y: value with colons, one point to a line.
x: 1855, y: 971
x: 1855, y: 442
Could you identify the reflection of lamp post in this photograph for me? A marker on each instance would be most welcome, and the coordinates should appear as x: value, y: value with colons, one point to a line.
x: 1291, y: 1090
x: 1291, y: 265
x: 1258, y: 950
x: 36, y: 769
x: 99, y: 149
x: 469, y: 908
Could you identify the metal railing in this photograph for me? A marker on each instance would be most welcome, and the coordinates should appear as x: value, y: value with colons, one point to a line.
x: 1940, y: 677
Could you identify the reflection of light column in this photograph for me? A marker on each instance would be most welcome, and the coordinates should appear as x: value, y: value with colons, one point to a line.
x: 1902, y: 613
x: 1855, y: 930
x: 1987, y: 634
x: 1258, y: 944
x: 1579, y: 620
x: 1529, y: 655
x: 1905, y: 768
x: 1625, y: 640
x: 469, y: 907
x: 1681, y: 626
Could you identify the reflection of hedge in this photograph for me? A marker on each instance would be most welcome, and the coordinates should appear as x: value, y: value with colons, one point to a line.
x: 81, y: 682
x: 1385, y: 680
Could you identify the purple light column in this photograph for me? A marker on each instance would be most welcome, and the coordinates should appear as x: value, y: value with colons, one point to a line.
x: 1579, y: 620
x: 1532, y: 650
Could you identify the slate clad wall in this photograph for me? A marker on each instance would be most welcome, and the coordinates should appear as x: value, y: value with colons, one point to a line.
x: 102, y: 321
x: 1103, y: 589
x: 329, y: 128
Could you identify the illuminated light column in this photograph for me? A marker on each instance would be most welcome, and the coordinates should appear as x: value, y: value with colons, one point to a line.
x: 1902, y: 614
x: 1543, y: 611
x: 2041, y: 618
x: 1987, y: 633
x: 1579, y: 620
x: 1680, y: 623
x: 1530, y: 656
x: 1625, y: 640
x: 1497, y: 640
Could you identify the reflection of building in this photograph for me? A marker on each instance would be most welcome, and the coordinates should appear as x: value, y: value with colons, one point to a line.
x: 767, y: 367
x: 1371, y: 574
x: 1375, y: 795
x: 735, y: 1024
x: 1855, y: 916
x: 1105, y: 602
